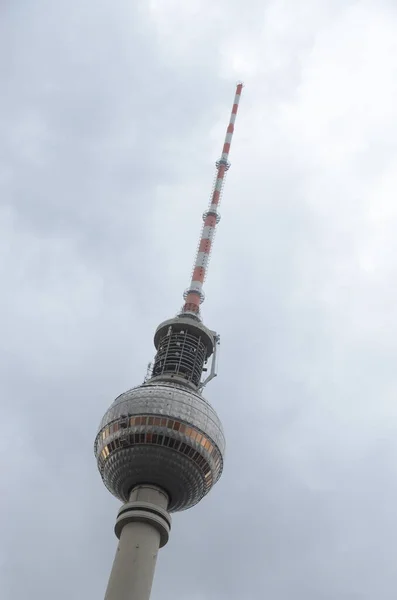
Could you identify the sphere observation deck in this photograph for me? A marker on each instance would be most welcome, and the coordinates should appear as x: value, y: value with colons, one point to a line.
x: 165, y: 434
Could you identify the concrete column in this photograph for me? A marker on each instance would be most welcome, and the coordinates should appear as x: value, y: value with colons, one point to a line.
x: 142, y: 526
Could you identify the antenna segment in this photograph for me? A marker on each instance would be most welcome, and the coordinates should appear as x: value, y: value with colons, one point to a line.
x: 194, y: 295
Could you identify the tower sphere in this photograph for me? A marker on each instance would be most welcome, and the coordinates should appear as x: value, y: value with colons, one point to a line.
x: 164, y: 434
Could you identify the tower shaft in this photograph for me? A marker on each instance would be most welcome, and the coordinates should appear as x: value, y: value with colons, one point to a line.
x: 143, y: 527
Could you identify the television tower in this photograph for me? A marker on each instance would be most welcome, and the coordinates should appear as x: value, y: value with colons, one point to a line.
x: 160, y: 445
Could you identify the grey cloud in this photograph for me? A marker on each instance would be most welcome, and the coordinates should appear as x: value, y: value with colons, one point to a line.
x: 110, y: 120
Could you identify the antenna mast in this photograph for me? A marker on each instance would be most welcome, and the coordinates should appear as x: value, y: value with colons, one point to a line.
x: 194, y: 295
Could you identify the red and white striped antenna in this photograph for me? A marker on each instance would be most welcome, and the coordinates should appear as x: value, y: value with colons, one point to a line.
x: 194, y: 295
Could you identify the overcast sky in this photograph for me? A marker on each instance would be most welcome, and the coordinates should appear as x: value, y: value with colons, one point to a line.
x: 112, y: 114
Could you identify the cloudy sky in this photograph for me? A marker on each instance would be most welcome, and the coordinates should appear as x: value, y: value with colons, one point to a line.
x: 112, y: 114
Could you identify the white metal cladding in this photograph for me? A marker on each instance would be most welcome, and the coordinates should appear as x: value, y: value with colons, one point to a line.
x: 228, y: 137
x: 208, y: 232
x: 219, y: 183
x: 196, y: 286
x: 170, y: 400
x: 187, y: 472
x: 202, y: 259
